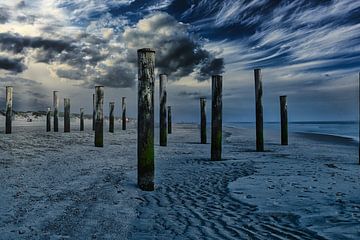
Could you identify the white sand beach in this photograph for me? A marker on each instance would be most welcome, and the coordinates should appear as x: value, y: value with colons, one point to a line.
x: 59, y: 186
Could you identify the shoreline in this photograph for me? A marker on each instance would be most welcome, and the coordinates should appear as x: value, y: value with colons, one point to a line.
x: 330, y: 138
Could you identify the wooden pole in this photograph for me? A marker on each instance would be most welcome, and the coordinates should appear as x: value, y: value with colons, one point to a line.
x: 203, y: 120
x: 163, y: 95
x: 259, y: 111
x: 66, y: 114
x: 111, y: 116
x: 56, y: 111
x: 81, y: 119
x: 48, y: 120
x: 94, y: 113
x: 145, y: 144
x: 169, y: 120
x: 359, y: 115
x: 284, y: 120
x: 123, y: 104
x: 9, y: 109
x: 99, y: 116
x: 216, y: 118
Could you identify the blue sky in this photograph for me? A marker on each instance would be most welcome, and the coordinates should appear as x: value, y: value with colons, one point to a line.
x: 308, y: 50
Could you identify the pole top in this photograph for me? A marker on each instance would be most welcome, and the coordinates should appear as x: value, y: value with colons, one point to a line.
x: 111, y: 103
x: 283, y: 96
x: 163, y: 74
x: 99, y: 86
x: 146, y: 50
x: 217, y: 76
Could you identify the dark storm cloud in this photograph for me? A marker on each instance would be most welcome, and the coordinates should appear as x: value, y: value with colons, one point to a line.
x: 13, y: 65
x: 117, y: 76
x: 178, y: 52
x: 73, y: 74
x: 17, y: 43
x: 4, y: 15
x: 212, y: 67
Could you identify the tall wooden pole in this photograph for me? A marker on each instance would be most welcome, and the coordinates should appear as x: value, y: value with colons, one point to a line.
x: 94, y: 113
x: 163, y: 95
x: 359, y: 115
x: 111, y: 116
x: 48, y: 120
x: 9, y: 109
x: 145, y: 144
x: 99, y: 116
x: 56, y: 111
x: 123, y: 104
x: 259, y: 111
x: 169, y: 120
x: 284, y: 120
x: 203, y: 120
x: 216, y: 118
x: 66, y: 114
x: 81, y: 119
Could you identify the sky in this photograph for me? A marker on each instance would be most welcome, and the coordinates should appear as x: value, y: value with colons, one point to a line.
x: 307, y: 50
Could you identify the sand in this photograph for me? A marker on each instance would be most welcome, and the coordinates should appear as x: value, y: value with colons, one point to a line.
x: 59, y: 186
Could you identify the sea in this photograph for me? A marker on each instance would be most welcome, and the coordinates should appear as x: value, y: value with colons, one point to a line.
x: 348, y: 129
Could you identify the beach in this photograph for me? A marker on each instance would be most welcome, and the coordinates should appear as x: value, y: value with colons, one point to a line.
x: 59, y: 186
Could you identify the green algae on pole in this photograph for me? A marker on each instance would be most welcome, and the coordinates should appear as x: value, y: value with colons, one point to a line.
x: 48, y: 120
x: 259, y: 111
x: 169, y: 120
x: 123, y: 105
x: 111, y: 116
x: 216, y: 118
x: 56, y: 111
x: 94, y: 113
x: 66, y: 114
x: 81, y: 119
x: 163, y: 128
x: 99, y: 116
x: 203, y: 120
x: 284, y: 120
x: 145, y: 140
x: 9, y: 110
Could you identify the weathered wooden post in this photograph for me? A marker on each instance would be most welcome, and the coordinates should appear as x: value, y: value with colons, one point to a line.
x: 48, y: 120
x: 259, y: 111
x: 123, y: 104
x: 216, y: 118
x: 9, y: 110
x: 163, y: 95
x: 56, y: 111
x: 111, y: 116
x: 99, y: 116
x: 203, y: 120
x: 145, y: 144
x: 169, y: 120
x: 81, y: 119
x: 66, y: 114
x: 284, y: 121
x: 94, y: 113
